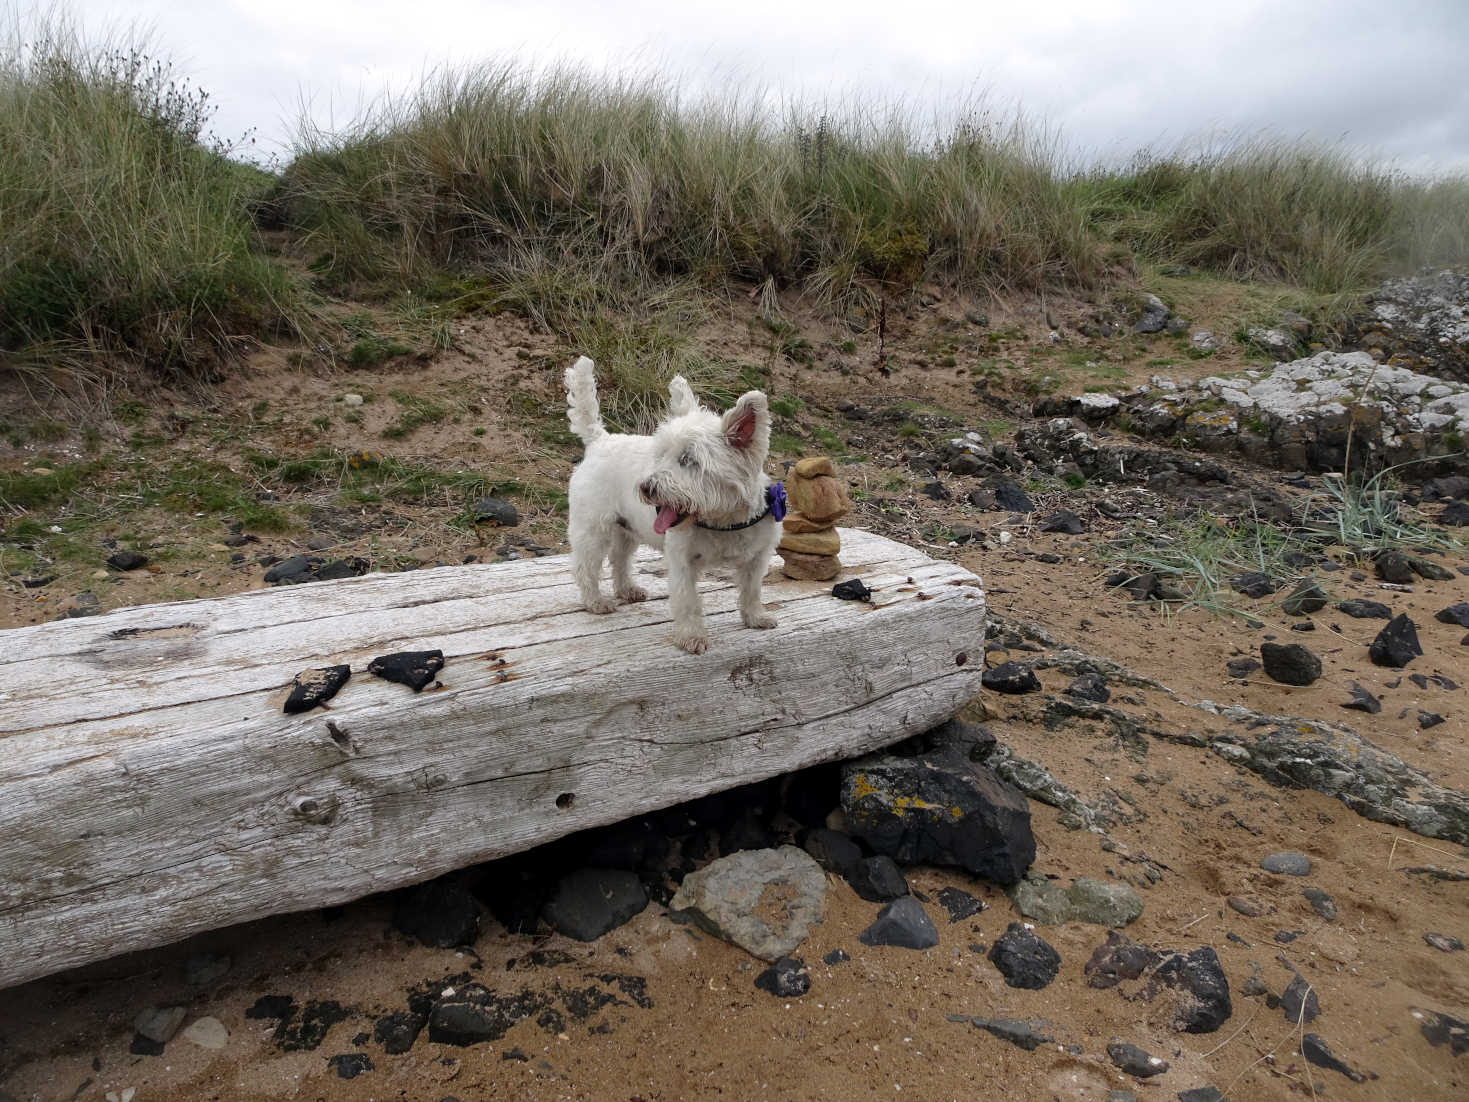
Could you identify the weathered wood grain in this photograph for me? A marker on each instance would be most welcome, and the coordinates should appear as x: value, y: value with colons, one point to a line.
x: 151, y: 787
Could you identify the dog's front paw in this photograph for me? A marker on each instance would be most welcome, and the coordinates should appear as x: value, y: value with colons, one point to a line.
x: 632, y: 594
x: 762, y: 621
x: 693, y: 643
x: 601, y: 606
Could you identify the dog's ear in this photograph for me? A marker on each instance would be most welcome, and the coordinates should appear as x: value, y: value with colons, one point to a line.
x: 681, y: 398
x: 747, y: 424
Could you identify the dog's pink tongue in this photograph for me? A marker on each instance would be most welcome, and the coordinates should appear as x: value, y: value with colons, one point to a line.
x: 667, y: 517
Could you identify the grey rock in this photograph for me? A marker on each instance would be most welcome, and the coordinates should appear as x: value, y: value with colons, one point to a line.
x: 1247, y: 907
x: 587, y: 903
x: 1363, y: 701
x: 296, y: 569
x: 877, y: 879
x: 1029, y: 1035
x: 349, y: 1065
x: 1288, y: 864
x: 833, y: 850
x: 904, y: 923
x: 126, y: 560
x: 1116, y: 959
x: 1154, y: 316
x: 1427, y: 720
x: 1392, y: 566
x: 1321, y: 903
x: 1242, y: 667
x: 1454, y: 614
x: 1277, y: 343
x: 318, y: 543
x: 1444, y: 943
x: 1089, y: 686
x: 160, y: 1023
x: 1011, y: 677
x: 1253, y: 584
x: 1429, y: 570
x: 1306, y: 597
x: 207, y: 1033
x: 1290, y: 664
x: 1443, y: 1029
x: 763, y: 900
x: 1201, y: 1094
x: 1202, y: 1003
x: 1204, y: 340
x: 1065, y: 522
x: 959, y: 903
x: 1397, y: 644
x: 494, y: 512
x: 1025, y: 960
x: 937, y: 809
x: 1365, y: 610
x: 1135, y: 1062
x: 787, y: 978
x: 1012, y: 497
x: 1316, y: 1051
x: 1298, y: 1002
x: 1051, y: 902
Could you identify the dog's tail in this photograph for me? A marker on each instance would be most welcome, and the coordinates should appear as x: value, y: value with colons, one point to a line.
x: 582, y: 408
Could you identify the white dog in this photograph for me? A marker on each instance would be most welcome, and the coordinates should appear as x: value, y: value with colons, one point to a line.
x: 697, y: 488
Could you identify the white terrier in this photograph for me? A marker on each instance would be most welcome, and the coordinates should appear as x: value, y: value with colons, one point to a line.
x: 696, y: 488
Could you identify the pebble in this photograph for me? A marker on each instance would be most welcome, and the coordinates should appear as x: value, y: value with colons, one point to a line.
x: 160, y: 1023
x: 903, y: 922
x: 1321, y: 903
x: 1010, y: 677
x: 1288, y: 864
x: 126, y: 560
x: 1290, y: 664
x: 1397, y: 644
x: 350, y: 399
x: 1444, y: 943
x: 206, y: 1033
x: 1134, y: 1061
x: 787, y: 978
x: 1026, y: 961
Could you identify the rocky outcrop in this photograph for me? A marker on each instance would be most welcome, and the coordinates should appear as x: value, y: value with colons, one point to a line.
x: 1423, y: 322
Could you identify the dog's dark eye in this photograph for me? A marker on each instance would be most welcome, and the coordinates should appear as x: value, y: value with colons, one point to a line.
x: 687, y: 460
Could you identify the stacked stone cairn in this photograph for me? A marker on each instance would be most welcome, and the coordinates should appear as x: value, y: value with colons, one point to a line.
x: 809, y: 544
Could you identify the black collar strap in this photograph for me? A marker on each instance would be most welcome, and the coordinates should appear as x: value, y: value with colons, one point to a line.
x: 775, y: 503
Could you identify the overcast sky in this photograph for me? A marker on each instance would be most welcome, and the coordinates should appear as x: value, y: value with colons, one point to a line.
x: 1111, y: 76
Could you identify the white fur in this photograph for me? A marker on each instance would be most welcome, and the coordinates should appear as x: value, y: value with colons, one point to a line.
x: 708, y: 466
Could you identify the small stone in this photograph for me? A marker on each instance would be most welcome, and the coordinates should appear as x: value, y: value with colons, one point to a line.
x: 1392, y: 566
x: 1298, y: 1002
x: 1321, y: 903
x: 1154, y: 317
x: 1363, y: 701
x: 1306, y: 597
x: 765, y: 900
x: 1010, y: 496
x: 1429, y: 570
x: 1428, y: 719
x: 316, y: 543
x: 809, y: 568
x: 126, y: 560
x: 396, y: 1032
x: 935, y: 490
x: 983, y: 499
x: 825, y: 542
x: 836, y: 956
x: 1025, y: 960
x: 852, y: 590
x: 1444, y: 943
x: 160, y: 1023
x: 814, y: 466
x: 1253, y: 584
x: 1242, y: 667
x: 1304, y: 625
x: 459, y: 1022
x: 1197, y: 975
x: 1365, y: 610
x: 494, y: 512
x: 206, y: 1033
x: 1089, y: 686
x: 1029, y: 1035
x: 787, y: 978
x: 1315, y: 1050
x: 1135, y: 1062
x: 414, y: 668
x: 904, y: 923
x: 1010, y: 677
x: 1290, y: 664
x: 1065, y: 522
x: 349, y: 1065
x: 834, y: 850
x: 337, y: 569
x: 1287, y: 864
x: 1397, y: 644
x: 440, y: 913
x: 821, y: 500
x: 293, y: 571
x: 877, y: 879
x: 959, y: 903
x: 350, y: 399
x: 271, y: 1006
x: 1247, y: 907
x: 1201, y: 1094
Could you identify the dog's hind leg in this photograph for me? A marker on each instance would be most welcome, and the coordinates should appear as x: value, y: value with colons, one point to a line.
x: 623, y: 546
x: 588, y: 550
x: 749, y: 580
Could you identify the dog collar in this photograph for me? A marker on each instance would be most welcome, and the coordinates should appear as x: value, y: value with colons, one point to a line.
x: 775, y: 506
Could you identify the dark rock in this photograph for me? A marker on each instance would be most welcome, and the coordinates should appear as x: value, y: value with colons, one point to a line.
x: 1455, y: 515
x: 1305, y: 598
x: 585, y: 904
x: 349, y: 1065
x: 1048, y: 558
x: 494, y: 512
x: 1442, y: 1029
x: 1315, y: 1050
x: 1143, y: 586
x: 1454, y: 614
x: 315, y: 543
x: 1247, y: 907
x: 959, y: 903
x: 1321, y: 903
x: 983, y: 499
x: 1397, y: 644
x: 1201, y: 1094
x: 1290, y: 664
x: 1287, y: 864
x: 1025, y: 960
x: 1203, y: 990
x: 312, y: 687
x: 1012, y: 497
x: 1064, y: 521
x: 1304, y: 625
x: 1430, y: 571
x: 1116, y: 959
x: 1298, y: 1002
x: 1365, y: 610
x: 342, y: 568
x: 877, y: 879
x: 1010, y: 677
x: 836, y: 956
x: 1253, y: 585
x: 1154, y: 316
x: 1443, y: 489
x: 1392, y: 566
x: 851, y: 590
x: 461, y: 1022
x: 37, y: 582
x: 292, y: 571
x: 1428, y: 719
x: 396, y: 1032
x: 1135, y: 1062
x: 414, y: 668
x: 440, y: 913
x: 724, y: 897
x: 1363, y: 701
x: 833, y: 850
x: 1089, y: 686
x: 1028, y: 1035
x: 935, y: 490
x: 1242, y: 667
x: 306, y: 1033
x: 787, y: 978
x: 1285, y: 937
x: 1444, y: 943
x: 272, y: 1006
x: 942, y: 810
x: 143, y: 1045
x: 126, y: 560
x: 902, y: 922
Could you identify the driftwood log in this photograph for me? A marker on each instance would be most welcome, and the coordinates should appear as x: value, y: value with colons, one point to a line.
x: 151, y: 786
